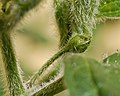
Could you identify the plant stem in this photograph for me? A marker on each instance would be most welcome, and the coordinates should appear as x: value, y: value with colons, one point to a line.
x: 50, y: 74
x: 47, y: 64
x: 11, y: 12
x: 12, y: 74
x: 75, y: 16
x: 52, y: 89
x: 76, y: 44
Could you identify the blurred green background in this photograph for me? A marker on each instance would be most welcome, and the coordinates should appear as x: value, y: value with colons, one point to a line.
x: 41, y: 42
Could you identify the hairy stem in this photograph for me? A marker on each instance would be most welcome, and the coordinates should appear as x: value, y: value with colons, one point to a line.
x: 78, y: 43
x: 75, y: 16
x: 12, y: 11
x: 50, y: 74
x: 47, y: 64
x: 51, y: 89
x: 12, y: 74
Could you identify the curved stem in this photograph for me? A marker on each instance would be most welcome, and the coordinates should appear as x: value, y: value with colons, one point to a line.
x: 47, y: 64
x: 10, y: 13
x: 74, y: 45
x: 50, y: 74
x: 12, y: 74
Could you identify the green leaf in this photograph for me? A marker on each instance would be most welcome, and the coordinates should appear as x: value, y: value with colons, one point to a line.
x: 110, y: 9
x: 107, y: 78
x: 87, y: 77
x: 112, y: 59
x: 78, y: 77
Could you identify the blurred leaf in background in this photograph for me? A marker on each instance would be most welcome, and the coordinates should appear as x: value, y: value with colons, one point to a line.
x: 36, y: 37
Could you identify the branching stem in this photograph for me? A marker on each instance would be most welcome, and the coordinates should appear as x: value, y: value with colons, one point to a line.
x: 13, y: 80
x: 52, y: 89
x: 47, y: 64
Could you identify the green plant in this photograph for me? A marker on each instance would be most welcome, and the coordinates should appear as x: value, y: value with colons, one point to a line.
x: 76, y: 20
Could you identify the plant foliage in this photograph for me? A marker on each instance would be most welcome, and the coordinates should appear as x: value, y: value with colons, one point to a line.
x: 76, y: 20
x: 91, y: 78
